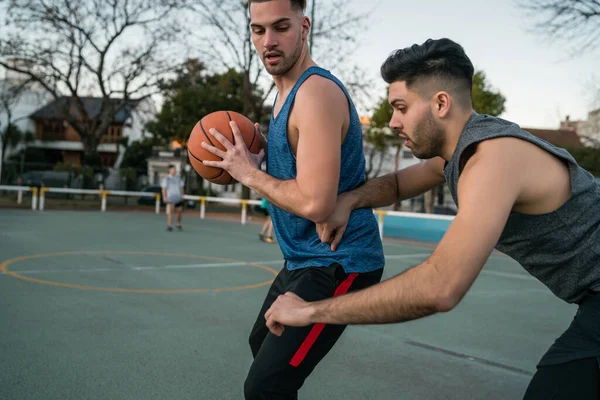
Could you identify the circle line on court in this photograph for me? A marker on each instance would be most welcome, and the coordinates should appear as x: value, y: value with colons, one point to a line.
x: 4, y: 268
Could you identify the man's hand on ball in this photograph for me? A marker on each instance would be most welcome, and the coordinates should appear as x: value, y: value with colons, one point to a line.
x: 236, y: 159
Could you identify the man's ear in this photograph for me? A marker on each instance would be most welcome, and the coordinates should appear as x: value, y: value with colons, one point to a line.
x: 442, y: 103
x: 305, y: 27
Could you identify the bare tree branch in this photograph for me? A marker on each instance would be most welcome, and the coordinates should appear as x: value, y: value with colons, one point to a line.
x: 96, y: 48
x: 575, y: 22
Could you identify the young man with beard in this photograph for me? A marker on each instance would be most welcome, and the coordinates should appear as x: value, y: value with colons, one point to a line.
x: 315, y: 152
x: 515, y: 192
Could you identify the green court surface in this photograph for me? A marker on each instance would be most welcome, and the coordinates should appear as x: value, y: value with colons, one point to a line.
x: 112, y: 306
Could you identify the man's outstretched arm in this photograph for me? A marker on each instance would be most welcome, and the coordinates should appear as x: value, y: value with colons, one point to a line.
x: 401, y: 185
x: 380, y: 192
x: 487, y: 192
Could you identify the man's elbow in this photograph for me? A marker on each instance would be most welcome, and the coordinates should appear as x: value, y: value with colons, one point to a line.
x: 447, y: 300
x: 318, y: 210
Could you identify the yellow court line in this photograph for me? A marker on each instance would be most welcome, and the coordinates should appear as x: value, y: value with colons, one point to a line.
x: 4, y: 268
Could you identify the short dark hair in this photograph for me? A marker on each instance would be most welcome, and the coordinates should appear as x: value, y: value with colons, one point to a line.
x: 441, y: 58
x: 296, y: 4
x: 171, y: 166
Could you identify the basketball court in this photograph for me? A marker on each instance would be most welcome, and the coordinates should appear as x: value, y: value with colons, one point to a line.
x: 112, y: 306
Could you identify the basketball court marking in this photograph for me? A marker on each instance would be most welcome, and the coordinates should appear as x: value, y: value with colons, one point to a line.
x: 4, y: 268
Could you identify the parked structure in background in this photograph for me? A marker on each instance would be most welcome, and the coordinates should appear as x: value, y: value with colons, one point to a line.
x: 62, y: 144
x: 588, y: 129
x: 565, y: 138
x: 18, y: 102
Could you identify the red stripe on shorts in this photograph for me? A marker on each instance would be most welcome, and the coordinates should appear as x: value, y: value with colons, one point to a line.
x: 318, y: 328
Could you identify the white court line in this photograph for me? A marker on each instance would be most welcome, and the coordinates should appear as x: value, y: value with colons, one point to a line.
x: 189, y: 266
x: 214, y: 265
x: 46, y: 271
x: 403, y: 256
x: 434, y: 245
x: 512, y: 275
x: 144, y: 268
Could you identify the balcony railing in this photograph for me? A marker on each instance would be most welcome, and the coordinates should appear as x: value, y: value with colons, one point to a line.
x: 53, y: 136
x: 109, y: 139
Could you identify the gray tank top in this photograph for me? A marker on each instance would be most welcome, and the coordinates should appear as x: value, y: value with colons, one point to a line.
x: 561, y: 248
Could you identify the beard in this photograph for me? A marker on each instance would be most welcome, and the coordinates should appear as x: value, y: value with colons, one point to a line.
x: 430, y: 138
x: 286, y: 63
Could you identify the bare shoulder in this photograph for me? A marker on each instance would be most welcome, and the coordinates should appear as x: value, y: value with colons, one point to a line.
x: 543, y: 178
x: 497, y: 166
x: 511, y: 152
x: 503, y: 151
x: 502, y: 145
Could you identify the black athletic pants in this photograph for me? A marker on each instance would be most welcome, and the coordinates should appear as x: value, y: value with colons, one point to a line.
x: 571, y: 367
x: 579, y: 379
x: 282, y: 363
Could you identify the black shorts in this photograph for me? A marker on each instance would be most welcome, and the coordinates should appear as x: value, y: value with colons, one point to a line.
x: 281, y: 364
x: 177, y: 205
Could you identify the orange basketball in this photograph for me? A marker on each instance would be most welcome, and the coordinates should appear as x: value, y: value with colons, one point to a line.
x: 220, y: 121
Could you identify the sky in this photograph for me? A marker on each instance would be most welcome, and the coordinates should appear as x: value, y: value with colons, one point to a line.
x: 541, y: 80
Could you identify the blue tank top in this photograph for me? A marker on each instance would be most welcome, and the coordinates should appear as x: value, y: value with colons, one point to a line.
x: 361, y: 249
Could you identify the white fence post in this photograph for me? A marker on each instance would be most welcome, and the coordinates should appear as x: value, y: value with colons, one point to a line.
x: 43, y: 190
x: 34, y: 198
x: 38, y: 196
x: 244, y: 211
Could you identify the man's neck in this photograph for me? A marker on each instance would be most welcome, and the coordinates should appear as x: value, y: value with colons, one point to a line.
x: 453, y: 132
x: 286, y: 82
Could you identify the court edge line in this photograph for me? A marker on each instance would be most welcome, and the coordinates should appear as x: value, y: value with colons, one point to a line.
x: 187, y: 266
x: 463, y: 356
x: 501, y: 274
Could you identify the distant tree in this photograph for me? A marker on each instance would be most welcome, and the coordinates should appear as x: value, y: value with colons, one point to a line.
x: 137, y: 154
x: 191, y: 95
x: 379, y: 138
x: 10, y: 135
x: 81, y: 48
x: 485, y: 99
x: 588, y: 158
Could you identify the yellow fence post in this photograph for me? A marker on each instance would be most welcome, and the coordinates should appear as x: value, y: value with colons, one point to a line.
x: 202, y: 207
x: 157, y: 206
x: 104, y: 193
x: 381, y: 216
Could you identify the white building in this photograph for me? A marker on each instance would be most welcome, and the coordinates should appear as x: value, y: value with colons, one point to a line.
x: 589, y: 129
x: 20, y: 105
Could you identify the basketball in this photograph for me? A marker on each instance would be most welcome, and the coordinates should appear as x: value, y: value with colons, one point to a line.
x: 219, y: 120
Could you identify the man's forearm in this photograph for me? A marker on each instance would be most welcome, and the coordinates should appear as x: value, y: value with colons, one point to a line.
x: 377, y: 192
x: 405, y: 297
x: 285, y: 194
